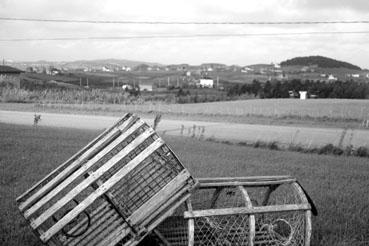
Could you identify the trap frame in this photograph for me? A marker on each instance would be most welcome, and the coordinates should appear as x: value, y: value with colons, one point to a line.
x: 114, y: 191
x: 265, y: 210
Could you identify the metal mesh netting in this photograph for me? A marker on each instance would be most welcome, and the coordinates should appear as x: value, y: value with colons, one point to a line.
x: 273, y: 228
x: 287, y: 228
x: 222, y: 230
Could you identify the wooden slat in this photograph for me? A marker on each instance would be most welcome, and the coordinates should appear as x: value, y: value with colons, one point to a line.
x: 95, y: 219
x: 96, y: 228
x: 115, y: 237
x: 243, y: 179
x: 248, y: 203
x: 90, y: 179
x: 103, y: 231
x: 308, y: 227
x: 168, y: 212
x: 244, y: 210
x: 35, y: 186
x: 68, y: 170
x: 168, y: 203
x: 210, y: 185
x: 80, y: 171
x: 191, y: 225
x: 101, y: 190
x: 160, y: 197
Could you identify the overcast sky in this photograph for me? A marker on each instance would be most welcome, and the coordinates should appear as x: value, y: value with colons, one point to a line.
x: 353, y: 48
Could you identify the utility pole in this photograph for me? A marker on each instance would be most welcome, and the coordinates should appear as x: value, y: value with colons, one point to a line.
x: 80, y: 82
x: 87, y: 82
x: 177, y: 82
x: 113, y: 82
x: 217, y: 82
x: 168, y: 82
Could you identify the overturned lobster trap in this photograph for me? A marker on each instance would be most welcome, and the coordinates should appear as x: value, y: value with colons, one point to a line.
x: 114, y: 191
x: 249, y: 211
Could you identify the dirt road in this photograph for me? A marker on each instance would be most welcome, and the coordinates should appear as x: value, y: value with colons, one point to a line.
x: 223, y: 131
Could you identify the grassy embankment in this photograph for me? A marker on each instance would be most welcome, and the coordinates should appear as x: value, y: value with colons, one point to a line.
x: 338, y: 185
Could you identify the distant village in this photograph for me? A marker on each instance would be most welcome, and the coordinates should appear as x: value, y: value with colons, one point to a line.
x: 154, y: 77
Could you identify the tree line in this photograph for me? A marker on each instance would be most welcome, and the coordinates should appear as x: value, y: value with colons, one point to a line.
x: 284, y: 89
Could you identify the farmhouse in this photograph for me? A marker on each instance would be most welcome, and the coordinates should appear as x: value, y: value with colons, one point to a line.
x: 207, y: 83
x: 332, y: 78
x: 146, y: 88
x: 10, y: 75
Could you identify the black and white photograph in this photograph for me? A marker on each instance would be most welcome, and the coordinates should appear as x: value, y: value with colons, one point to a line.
x: 184, y: 123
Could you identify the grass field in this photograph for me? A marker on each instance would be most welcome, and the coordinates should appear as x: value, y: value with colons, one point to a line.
x: 320, y: 112
x: 338, y: 185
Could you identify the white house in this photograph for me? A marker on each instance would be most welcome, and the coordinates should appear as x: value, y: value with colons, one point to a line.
x: 106, y: 69
x: 247, y: 69
x: 207, y: 83
x: 127, y: 87
x: 356, y: 75
x: 303, y: 95
x: 331, y: 77
x: 145, y: 87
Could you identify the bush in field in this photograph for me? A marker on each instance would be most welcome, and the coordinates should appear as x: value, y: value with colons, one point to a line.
x: 361, y: 151
x: 279, y: 89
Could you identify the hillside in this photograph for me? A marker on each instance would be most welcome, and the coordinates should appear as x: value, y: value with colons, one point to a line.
x: 321, y: 61
x: 80, y: 63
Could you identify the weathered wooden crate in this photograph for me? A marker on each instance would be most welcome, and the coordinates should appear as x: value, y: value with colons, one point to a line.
x: 272, y: 210
x: 112, y: 192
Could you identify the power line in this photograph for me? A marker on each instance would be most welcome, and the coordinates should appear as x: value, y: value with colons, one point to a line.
x: 182, y: 36
x: 187, y: 22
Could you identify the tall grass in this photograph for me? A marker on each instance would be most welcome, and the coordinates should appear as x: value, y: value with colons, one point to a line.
x: 95, y: 96
x: 337, y: 184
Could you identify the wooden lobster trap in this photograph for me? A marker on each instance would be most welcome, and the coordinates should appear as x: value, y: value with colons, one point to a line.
x: 112, y: 192
x: 248, y: 211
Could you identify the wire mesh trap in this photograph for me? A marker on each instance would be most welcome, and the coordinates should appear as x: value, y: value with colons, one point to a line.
x: 114, y: 191
x: 242, y: 211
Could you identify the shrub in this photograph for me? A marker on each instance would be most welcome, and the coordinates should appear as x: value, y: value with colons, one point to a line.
x: 361, y: 151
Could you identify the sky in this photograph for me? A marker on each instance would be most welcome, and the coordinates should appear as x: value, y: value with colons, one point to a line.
x: 244, y: 50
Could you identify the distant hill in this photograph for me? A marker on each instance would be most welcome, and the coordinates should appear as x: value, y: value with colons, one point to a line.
x: 321, y: 61
x: 81, y: 63
x: 104, y: 62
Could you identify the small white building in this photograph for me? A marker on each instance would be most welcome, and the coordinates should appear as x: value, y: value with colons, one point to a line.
x: 106, y: 69
x: 355, y: 75
x: 207, y: 83
x: 332, y: 78
x: 127, y: 87
x: 303, y: 95
x: 145, y: 87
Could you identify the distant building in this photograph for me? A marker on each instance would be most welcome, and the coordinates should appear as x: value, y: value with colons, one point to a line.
x: 106, y: 69
x: 207, y: 83
x: 247, y: 70
x: 332, y: 78
x: 127, y: 87
x: 293, y: 94
x: 146, y: 88
x: 356, y: 75
x: 10, y: 75
x: 303, y: 95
